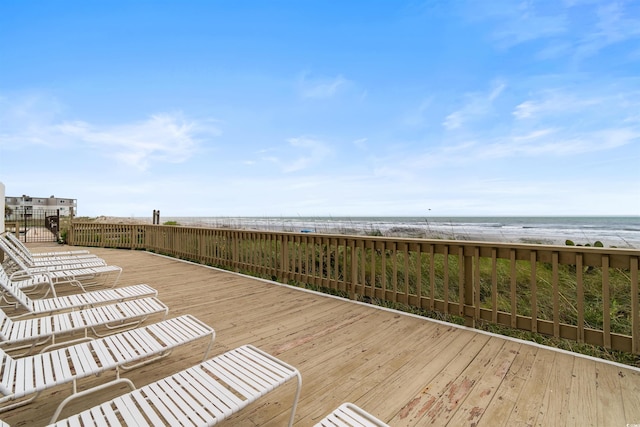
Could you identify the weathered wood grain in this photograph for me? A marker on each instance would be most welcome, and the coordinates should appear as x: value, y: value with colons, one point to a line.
x: 407, y: 371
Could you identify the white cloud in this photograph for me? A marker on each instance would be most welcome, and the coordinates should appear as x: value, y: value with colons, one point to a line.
x: 27, y: 119
x: 517, y: 23
x: 314, y: 151
x: 453, y: 120
x: 476, y: 105
x: 300, y: 153
x: 615, y: 24
x: 534, y: 135
x: 361, y: 143
x: 163, y: 137
x: 320, y: 88
x: 416, y: 117
x: 551, y: 102
x: 562, y: 144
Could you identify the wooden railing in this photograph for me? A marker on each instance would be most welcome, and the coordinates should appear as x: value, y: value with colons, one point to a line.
x: 586, y: 294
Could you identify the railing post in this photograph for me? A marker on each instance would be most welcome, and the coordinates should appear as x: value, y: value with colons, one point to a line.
x: 235, y: 249
x: 468, y: 289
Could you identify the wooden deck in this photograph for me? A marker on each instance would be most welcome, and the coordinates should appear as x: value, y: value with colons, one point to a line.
x: 408, y: 371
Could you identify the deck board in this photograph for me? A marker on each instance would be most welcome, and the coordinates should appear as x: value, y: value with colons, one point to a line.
x: 406, y: 370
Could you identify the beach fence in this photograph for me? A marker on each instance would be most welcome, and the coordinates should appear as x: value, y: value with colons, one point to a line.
x: 584, y: 294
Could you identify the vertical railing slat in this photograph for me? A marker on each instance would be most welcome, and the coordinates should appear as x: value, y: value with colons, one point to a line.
x: 394, y: 271
x: 446, y: 279
x: 406, y: 251
x: 635, y: 307
x: 418, y: 263
x: 494, y: 285
x: 514, y: 287
x: 533, y: 259
x: 432, y: 278
x: 556, y: 294
x: 462, y: 283
x: 606, y: 303
x: 580, y: 298
x: 477, y: 284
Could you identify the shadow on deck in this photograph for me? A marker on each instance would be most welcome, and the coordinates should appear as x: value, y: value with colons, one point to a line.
x: 406, y: 370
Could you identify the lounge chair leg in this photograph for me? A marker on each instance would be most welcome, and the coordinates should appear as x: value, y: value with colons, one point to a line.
x: 20, y: 403
x: 74, y: 396
x: 295, y: 400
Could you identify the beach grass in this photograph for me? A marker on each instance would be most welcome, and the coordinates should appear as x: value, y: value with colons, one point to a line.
x: 390, y: 275
x: 402, y: 271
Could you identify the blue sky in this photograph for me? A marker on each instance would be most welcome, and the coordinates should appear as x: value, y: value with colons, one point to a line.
x: 319, y: 107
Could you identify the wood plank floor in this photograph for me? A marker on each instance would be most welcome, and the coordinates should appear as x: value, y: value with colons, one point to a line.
x: 408, y: 371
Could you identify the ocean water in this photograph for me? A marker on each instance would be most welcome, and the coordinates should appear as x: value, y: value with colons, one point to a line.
x: 620, y: 231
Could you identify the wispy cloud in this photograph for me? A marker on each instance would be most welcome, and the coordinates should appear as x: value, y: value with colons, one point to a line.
x: 361, y: 143
x: 569, y: 29
x: 515, y: 23
x: 615, y: 24
x: 320, y: 87
x: 560, y: 144
x: 476, y: 105
x: 525, y: 24
x: 163, y: 137
x: 309, y: 151
x: 298, y: 154
x: 28, y: 119
x: 553, y: 102
x: 416, y: 117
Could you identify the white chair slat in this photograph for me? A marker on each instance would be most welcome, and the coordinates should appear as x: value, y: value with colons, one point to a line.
x: 253, y: 377
x: 104, y: 416
x: 213, y: 391
x: 60, y: 363
x: 195, y: 400
x: 174, y: 407
x: 48, y: 371
x: 117, y: 348
x: 263, y: 375
x: 350, y: 415
x: 38, y: 371
x: 129, y: 411
x: 142, y: 339
x: 144, y: 406
x: 193, y: 396
x: 8, y: 373
x: 82, y: 360
x: 23, y: 379
x: 87, y: 420
x: 105, y: 357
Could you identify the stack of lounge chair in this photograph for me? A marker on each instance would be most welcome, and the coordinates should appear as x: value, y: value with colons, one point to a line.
x: 46, y: 341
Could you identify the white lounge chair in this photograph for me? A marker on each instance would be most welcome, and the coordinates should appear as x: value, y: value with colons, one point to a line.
x: 199, y: 396
x: 78, y: 274
x: 19, y: 244
x: 22, y: 379
x: 14, y: 296
x: 350, y: 415
x: 47, y: 281
x: 62, y: 328
x: 19, y: 250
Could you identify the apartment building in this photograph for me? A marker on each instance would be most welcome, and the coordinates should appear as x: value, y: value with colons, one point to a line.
x: 27, y: 205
